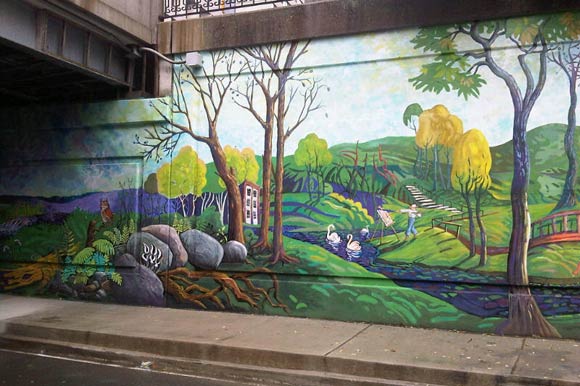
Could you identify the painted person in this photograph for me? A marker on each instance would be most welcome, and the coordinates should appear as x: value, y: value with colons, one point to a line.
x: 412, y: 213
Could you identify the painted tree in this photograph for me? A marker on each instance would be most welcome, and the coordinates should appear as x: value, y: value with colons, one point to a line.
x: 272, y: 69
x: 211, y: 84
x: 410, y: 119
x: 313, y: 154
x: 303, y: 96
x: 451, y: 132
x: 185, y: 174
x: 242, y: 164
x: 470, y: 176
x: 455, y: 70
x: 261, y: 89
x: 567, y: 57
x: 438, y: 128
x: 423, y: 141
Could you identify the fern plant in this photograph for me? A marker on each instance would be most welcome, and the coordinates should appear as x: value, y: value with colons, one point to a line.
x: 121, y: 236
x: 81, y: 264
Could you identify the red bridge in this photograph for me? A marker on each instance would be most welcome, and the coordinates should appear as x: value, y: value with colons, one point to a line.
x: 556, y: 228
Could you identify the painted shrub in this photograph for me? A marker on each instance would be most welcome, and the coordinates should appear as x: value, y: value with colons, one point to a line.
x: 281, y: 179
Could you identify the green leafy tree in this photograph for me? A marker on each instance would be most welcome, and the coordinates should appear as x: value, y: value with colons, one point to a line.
x: 186, y: 174
x: 313, y: 154
x: 457, y: 71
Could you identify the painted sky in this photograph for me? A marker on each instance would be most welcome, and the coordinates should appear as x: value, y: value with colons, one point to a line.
x: 367, y: 77
x: 368, y: 90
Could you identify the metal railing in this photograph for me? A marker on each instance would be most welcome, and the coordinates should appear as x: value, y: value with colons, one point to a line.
x: 183, y: 8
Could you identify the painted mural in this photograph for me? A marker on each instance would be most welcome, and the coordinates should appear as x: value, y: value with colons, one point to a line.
x: 420, y: 177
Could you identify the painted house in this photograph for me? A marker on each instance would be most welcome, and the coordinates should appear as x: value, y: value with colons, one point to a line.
x: 251, y: 202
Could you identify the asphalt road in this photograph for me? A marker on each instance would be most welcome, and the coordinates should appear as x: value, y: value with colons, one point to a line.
x: 20, y: 369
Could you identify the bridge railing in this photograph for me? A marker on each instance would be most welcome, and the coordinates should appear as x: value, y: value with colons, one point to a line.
x: 183, y: 8
x: 563, y: 222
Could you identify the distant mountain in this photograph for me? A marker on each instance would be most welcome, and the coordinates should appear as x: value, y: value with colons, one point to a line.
x: 127, y: 200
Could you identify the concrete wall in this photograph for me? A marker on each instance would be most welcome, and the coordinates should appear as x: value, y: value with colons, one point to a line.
x: 137, y: 17
x: 337, y: 17
x: 140, y: 202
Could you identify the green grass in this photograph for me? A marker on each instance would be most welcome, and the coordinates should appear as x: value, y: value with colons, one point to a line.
x: 432, y: 247
x: 498, y: 223
x: 316, y: 215
x: 322, y: 285
x: 554, y: 260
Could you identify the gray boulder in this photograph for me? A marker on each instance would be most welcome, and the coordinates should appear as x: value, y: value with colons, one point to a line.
x: 150, y: 251
x: 234, y: 252
x: 170, y: 237
x: 140, y: 285
x: 204, y: 251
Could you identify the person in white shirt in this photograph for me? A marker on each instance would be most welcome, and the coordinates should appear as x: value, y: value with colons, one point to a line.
x: 413, y: 214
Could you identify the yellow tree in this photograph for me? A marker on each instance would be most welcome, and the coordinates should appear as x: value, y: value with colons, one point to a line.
x: 242, y: 164
x: 437, y: 128
x: 471, y: 167
x: 451, y: 132
x: 186, y: 174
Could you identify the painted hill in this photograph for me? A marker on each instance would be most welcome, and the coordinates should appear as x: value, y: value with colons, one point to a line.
x: 548, y: 164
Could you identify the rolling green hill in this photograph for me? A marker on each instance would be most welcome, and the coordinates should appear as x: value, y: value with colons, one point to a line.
x: 547, y: 157
x: 548, y: 164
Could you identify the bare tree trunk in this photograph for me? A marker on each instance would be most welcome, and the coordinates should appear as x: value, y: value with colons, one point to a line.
x: 525, y: 317
x: 471, y: 223
x: 278, y: 253
x: 568, y: 198
x: 263, y: 241
x: 435, y: 163
x: 482, y: 234
x: 182, y: 199
x: 235, y: 208
x: 221, y: 199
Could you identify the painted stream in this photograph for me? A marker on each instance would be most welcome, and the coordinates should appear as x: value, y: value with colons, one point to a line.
x: 481, y: 294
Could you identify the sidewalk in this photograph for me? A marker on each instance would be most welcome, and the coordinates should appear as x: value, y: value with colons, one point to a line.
x: 282, y: 350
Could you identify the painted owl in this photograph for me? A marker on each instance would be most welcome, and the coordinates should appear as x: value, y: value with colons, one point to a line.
x: 106, y: 212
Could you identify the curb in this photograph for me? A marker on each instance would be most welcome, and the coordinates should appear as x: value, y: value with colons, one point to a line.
x: 247, y: 365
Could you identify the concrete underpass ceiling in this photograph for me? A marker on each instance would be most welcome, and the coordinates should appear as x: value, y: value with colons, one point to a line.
x: 29, y: 78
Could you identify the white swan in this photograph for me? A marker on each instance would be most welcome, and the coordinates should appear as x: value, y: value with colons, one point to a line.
x: 364, y: 232
x: 352, y: 245
x: 332, y: 237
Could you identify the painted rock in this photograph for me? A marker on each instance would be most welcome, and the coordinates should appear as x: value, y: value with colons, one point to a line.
x: 150, y: 251
x: 234, y: 252
x: 170, y: 237
x: 140, y: 285
x: 204, y: 251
